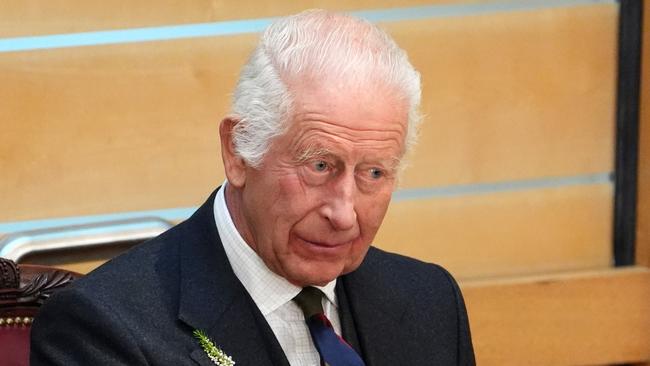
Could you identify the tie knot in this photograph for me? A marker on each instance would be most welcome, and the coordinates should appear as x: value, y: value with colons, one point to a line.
x: 310, y: 301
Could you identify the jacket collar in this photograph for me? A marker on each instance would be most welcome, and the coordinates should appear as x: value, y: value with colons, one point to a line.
x: 213, y: 300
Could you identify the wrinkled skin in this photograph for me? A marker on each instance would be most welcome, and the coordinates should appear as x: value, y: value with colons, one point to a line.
x: 314, y: 206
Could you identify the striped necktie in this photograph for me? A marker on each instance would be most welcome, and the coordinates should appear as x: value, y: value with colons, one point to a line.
x: 333, y: 350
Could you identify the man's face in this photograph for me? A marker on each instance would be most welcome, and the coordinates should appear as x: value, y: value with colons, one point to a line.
x: 314, y: 206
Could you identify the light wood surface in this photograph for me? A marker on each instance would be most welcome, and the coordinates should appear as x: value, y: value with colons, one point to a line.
x: 80, y: 266
x: 134, y: 127
x: 506, y: 234
x: 115, y: 128
x: 35, y: 17
x: 591, y: 318
x: 643, y: 208
x: 514, y: 95
x: 507, y: 96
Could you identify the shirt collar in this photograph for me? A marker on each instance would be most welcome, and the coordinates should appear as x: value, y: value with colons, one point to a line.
x: 268, y: 290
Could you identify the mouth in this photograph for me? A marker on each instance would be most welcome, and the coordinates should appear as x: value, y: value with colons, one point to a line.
x: 325, y: 246
x: 332, y: 244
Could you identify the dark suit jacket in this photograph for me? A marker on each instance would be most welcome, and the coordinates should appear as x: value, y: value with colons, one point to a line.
x: 141, y: 309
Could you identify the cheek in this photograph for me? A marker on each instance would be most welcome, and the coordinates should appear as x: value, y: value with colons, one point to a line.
x: 370, y: 214
x: 295, y: 198
x: 291, y: 186
x: 292, y: 203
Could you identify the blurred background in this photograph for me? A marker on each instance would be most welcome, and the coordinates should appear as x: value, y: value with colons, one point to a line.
x: 530, y: 183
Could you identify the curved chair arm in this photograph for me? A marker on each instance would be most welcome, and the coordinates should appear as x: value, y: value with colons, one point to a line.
x: 27, y: 286
x: 16, y: 245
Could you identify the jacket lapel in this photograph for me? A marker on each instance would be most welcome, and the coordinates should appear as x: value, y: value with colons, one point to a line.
x: 348, y: 327
x: 213, y: 300
x: 374, y: 317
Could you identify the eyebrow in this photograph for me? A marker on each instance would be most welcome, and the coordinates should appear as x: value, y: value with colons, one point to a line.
x: 311, y: 152
x: 395, y: 162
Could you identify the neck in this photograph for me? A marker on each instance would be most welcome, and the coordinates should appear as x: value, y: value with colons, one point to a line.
x: 234, y: 201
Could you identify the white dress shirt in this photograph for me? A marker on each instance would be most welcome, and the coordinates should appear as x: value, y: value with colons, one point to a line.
x: 272, y: 293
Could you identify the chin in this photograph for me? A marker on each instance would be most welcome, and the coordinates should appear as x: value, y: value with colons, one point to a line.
x: 320, y: 274
x: 319, y: 279
x: 311, y: 269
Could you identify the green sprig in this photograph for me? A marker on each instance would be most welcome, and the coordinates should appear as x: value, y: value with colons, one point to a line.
x: 215, y: 354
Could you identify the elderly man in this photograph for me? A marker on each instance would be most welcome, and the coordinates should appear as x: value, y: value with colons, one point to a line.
x: 276, y: 267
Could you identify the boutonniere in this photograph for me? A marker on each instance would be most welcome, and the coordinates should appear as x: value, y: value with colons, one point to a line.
x: 218, y: 357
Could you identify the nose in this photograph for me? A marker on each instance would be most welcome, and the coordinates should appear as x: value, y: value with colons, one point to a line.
x: 339, y: 208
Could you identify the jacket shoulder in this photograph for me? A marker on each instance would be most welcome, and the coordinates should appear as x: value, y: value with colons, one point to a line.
x: 423, y: 299
x: 403, y: 273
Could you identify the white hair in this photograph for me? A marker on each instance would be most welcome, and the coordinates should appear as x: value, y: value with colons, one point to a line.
x: 315, y: 43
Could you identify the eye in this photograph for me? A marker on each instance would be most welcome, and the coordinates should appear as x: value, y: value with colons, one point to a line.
x: 376, y: 173
x: 320, y: 166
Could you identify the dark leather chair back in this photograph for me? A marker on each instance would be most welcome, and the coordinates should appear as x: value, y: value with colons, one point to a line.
x: 23, y: 289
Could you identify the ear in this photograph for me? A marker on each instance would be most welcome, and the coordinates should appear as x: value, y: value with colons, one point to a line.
x: 234, y: 165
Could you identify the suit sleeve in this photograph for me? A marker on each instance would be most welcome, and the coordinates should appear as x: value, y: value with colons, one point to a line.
x: 72, y: 329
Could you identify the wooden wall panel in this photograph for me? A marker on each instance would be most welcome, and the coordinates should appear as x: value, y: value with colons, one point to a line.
x: 114, y: 128
x: 592, y: 318
x: 133, y: 127
x: 35, y: 17
x: 507, y: 96
x: 643, y: 208
x: 514, y: 95
x: 475, y: 236
x: 505, y: 234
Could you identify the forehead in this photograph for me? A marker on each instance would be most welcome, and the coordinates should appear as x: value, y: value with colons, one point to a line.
x: 354, y: 112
